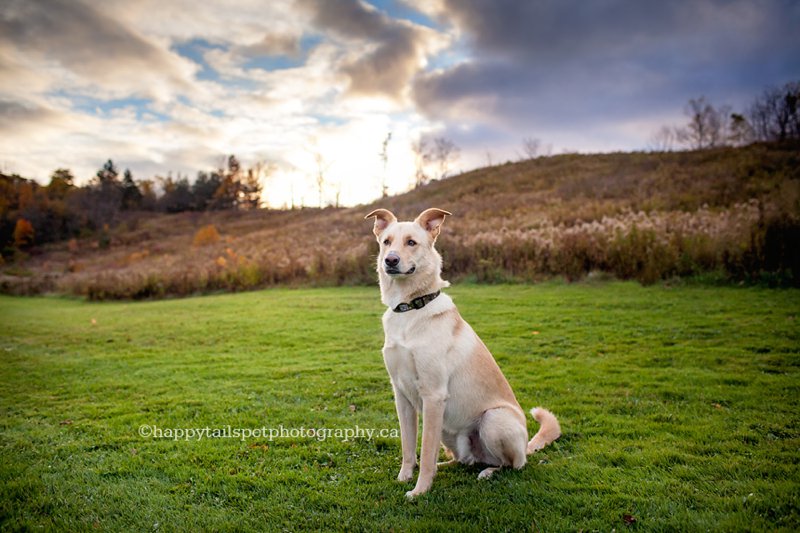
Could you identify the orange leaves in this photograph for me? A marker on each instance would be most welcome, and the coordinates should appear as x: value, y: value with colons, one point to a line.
x: 205, y: 236
x: 23, y: 233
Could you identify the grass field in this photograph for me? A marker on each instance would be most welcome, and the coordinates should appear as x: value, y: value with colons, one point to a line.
x: 679, y: 407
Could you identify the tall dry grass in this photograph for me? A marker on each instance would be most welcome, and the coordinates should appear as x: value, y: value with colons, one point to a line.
x: 731, y: 212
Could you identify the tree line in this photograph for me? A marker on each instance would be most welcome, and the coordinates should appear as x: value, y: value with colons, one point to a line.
x: 31, y: 213
x: 773, y: 116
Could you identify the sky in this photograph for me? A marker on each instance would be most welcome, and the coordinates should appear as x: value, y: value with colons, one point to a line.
x: 171, y: 87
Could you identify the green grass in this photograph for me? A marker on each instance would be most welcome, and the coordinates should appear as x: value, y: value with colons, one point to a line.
x: 679, y: 408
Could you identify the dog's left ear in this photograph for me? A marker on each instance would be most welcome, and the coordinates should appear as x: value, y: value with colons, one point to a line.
x: 383, y: 217
x: 431, y: 220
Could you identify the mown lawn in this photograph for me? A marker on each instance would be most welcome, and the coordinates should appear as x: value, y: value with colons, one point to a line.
x: 679, y: 408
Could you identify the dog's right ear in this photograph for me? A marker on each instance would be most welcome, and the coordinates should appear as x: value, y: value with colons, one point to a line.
x: 383, y: 218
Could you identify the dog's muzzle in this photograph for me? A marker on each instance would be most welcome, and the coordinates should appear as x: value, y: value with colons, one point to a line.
x: 391, y: 264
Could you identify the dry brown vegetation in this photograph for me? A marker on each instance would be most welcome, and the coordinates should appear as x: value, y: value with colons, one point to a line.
x: 734, y: 212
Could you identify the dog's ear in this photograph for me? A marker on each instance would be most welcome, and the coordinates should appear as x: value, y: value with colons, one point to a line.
x: 431, y: 220
x: 383, y: 218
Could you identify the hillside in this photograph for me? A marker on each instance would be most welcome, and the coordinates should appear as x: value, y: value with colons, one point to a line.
x: 734, y: 211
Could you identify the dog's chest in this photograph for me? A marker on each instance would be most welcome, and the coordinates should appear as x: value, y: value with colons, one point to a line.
x: 402, y: 368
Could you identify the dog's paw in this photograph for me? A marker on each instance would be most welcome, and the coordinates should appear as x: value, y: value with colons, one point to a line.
x: 405, y: 475
x: 410, y: 495
x: 487, y: 473
x: 421, y: 488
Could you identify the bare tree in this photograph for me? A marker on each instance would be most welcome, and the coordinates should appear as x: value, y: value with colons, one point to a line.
x: 774, y: 115
x: 322, y: 167
x: 663, y: 140
x: 740, y: 132
x: 422, y: 156
x: 384, y: 155
x: 707, y: 126
x: 530, y: 147
x: 445, y: 153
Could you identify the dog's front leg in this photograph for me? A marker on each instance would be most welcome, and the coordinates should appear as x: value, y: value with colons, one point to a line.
x: 407, y: 416
x: 432, y: 420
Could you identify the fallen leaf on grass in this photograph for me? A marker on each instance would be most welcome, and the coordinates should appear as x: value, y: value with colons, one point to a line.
x: 628, y: 519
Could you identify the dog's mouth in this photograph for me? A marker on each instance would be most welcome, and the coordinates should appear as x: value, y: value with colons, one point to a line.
x: 394, y: 271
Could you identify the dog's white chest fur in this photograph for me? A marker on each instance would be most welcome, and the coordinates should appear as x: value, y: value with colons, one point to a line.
x: 412, y: 349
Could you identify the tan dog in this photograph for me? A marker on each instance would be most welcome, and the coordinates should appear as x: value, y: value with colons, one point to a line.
x: 439, y: 366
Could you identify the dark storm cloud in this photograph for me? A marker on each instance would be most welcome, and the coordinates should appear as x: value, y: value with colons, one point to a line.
x: 545, y: 62
x: 393, y: 48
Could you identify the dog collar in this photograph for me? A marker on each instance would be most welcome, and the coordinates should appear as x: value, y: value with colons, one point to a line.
x: 416, y: 303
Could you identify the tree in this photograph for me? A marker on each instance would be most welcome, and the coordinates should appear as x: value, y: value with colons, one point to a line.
x: 530, y: 147
x: 384, y: 155
x: 108, y: 175
x: 422, y: 156
x: 445, y: 152
x: 61, y: 183
x: 227, y: 195
x: 707, y: 126
x: 100, y: 202
x: 149, y: 198
x: 204, y: 188
x: 774, y: 116
x: 177, y: 195
x: 322, y: 168
x: 23, y: 233
x: 663, y: 140
x: 131, y: 195
x: 740, y: 131
x: 251, y: 188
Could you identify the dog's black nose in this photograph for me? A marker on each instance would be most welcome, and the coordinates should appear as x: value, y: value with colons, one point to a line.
x: 392, y: 260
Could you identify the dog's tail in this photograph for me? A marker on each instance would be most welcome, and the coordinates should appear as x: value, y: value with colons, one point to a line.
x: 549, y: 429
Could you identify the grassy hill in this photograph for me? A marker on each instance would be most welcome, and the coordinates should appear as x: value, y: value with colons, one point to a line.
x: 734, y: 212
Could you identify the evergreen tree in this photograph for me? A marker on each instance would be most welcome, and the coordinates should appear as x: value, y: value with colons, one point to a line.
x: 131, y: 195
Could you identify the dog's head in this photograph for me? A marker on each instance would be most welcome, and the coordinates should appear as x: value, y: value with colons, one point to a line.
x: 406, y: 248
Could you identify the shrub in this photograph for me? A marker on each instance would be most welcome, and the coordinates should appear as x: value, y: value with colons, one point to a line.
x: 23, y: 233
x: 205, y: 236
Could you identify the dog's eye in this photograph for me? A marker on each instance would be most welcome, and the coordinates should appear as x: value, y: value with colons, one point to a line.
x: 387, y: 242
x: 411, y: 242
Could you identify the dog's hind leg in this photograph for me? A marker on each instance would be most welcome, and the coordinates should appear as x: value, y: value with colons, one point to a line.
x: 502, y: 439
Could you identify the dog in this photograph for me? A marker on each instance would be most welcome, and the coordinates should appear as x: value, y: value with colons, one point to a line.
x: 439, y: 367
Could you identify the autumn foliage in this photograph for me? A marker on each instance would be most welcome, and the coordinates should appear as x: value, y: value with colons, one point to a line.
x: 23, y: 233
x: 206, y: 235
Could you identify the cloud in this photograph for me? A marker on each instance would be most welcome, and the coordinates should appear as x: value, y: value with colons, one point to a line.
x: 96, y: 52
x: 275, y: 44
x: 173, y: 85
x: 547, y: 65
x: 388, y: 52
